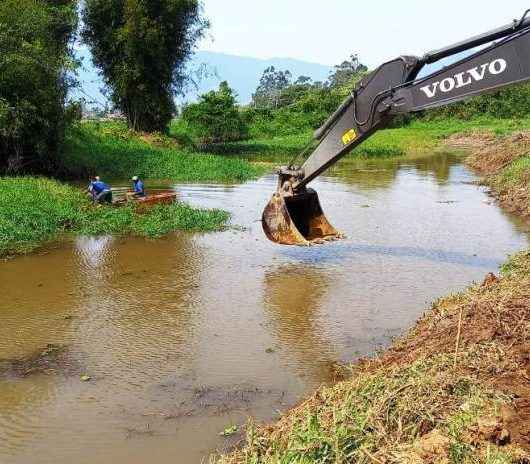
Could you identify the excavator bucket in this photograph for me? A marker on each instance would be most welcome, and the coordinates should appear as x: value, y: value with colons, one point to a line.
x: 297, y: 220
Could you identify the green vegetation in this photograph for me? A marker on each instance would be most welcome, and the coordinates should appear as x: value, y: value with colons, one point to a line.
x: 141, y: 48
x: 284, y: 114
x: 214, y: 118
x: 35, y: 210
x: 505, y: 161
x: 417, y: 137
x: 516, y: 174
x: 375, y: 414
x: 34, y: 58
x: 112, y: 149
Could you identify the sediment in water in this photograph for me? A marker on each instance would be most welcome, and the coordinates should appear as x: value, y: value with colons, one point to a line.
x: 51, y: 359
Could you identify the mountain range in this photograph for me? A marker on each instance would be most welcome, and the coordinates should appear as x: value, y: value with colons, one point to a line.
x: 208, y: 69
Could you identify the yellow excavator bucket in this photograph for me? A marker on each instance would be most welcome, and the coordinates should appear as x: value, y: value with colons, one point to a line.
x: 297, y: 220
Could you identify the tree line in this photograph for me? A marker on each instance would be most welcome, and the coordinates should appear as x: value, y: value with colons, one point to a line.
x: 281, y: 104
x: 284, y: 105
x: 140, y: 47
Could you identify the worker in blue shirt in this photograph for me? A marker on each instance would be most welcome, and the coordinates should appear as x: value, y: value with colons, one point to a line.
x: 101, y: 192
x: 138, y: 187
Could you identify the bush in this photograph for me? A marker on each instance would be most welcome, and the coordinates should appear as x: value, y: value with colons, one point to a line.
x: 215, y: 118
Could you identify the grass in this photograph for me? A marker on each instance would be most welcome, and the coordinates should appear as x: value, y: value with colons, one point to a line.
x: 112, y: 149
x: 405, y: 415
x: 515, y: 174
x: 36, y: 210
x: 505, y: 161
x: 418, y: 137
x: 420, y: 402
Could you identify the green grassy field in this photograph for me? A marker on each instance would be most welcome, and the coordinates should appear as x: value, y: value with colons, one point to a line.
x: 415, y: 138
x: 112, y: 150
x: 36, y: 210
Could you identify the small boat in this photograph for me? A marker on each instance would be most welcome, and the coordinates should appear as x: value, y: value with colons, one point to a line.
x: 153, y: 197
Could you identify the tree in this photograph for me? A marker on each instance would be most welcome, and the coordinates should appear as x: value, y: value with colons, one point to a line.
x: 215, y: 118
x: 346, y: 72
x: 271, y: 84
x: 141, y: 48
x: 303, y: 80
x: 35, y: 38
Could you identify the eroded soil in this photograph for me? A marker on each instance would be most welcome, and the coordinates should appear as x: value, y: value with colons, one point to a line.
x: 490, y: 155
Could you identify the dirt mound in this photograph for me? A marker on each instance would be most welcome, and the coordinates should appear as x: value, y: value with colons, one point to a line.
x: 491, y: 321
x: 491, y: 153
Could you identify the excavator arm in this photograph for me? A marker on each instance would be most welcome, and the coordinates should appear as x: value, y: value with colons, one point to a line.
x: 294, y: 215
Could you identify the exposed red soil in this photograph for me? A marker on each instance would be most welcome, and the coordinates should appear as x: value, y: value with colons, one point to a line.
x: 495, y: 323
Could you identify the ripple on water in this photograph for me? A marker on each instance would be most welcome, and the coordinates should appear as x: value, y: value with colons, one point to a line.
x: 153, y: 322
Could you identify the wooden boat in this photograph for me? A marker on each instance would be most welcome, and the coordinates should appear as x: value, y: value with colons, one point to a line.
x: 124, y: 197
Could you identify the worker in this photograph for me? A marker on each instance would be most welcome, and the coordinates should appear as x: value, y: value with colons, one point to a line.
x: 90, y: 189
x: 138, y: 187
x: 101, y: 192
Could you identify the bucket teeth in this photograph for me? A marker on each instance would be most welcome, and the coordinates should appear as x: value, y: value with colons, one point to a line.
x: 297, y: 220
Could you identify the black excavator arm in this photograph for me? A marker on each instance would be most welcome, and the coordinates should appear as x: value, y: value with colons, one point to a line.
x: 294, y: 215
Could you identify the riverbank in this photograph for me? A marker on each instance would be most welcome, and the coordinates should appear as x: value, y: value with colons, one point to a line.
x: 34, y: 211
x: 454, y: 389
x: 505, y: 163
x: 109, y: 147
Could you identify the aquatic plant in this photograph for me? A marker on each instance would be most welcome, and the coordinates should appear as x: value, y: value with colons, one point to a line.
x: 34, y: 210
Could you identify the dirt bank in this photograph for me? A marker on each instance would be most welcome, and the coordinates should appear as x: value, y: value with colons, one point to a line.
x: 505, y: 163
x: 455, y: 389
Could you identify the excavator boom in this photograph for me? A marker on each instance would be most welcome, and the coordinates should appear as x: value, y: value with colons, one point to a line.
x: 294, y: 215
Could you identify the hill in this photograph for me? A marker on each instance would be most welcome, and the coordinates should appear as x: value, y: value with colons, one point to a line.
x: 241, y: 72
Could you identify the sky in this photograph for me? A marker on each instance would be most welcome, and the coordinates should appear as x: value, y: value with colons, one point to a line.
x: 329, y: 31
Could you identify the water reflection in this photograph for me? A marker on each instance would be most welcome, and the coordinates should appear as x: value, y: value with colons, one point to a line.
x: 343, y: 252
x: 382, y: 173
x: 293, y: 300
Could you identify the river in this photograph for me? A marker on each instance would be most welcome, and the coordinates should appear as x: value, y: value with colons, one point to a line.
x: 185, y: 336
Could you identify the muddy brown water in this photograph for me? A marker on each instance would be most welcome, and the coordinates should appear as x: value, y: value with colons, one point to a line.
x: 184, y: 336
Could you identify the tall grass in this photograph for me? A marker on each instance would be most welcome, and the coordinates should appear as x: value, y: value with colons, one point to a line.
x: 417, y: 136
x: 35, y: 210
x: 109, y: 148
